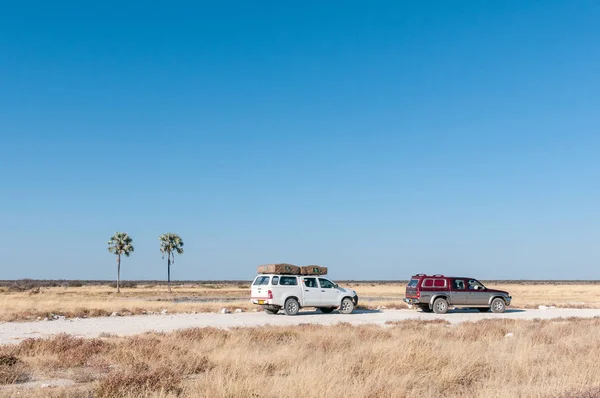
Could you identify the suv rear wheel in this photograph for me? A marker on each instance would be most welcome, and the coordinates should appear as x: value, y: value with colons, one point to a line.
x: 326, y: 310
x: 440, y: 306
x: 291, y: 306
x: 498, y: 305
x: 347, y: 306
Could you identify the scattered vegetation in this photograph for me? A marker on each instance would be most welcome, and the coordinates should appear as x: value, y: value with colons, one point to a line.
x: 492, y: 358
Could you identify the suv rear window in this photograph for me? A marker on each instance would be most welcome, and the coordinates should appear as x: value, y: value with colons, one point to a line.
x: 288, y: 280
x: 261, y: 280
x: 413, y: 283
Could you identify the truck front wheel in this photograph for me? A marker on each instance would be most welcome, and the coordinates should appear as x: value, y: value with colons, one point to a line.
x: 347, y: 306
x: 291, y: 306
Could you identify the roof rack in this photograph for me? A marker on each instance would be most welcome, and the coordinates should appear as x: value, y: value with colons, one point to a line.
x: 438, y: 275
x: 420, y: 275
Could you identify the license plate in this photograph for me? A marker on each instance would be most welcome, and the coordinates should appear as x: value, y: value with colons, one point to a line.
x: 261, y: 301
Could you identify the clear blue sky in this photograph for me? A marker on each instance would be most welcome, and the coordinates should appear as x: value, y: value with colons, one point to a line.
x: 381, y: 141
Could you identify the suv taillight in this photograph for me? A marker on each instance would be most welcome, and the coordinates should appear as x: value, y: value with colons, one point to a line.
x: 270, y: 295
x: 418, y: 294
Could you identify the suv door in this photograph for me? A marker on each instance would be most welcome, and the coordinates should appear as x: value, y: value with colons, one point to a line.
x: 329, y: 294
x: 458, y: 292
x: 312, y: 292
x: 478, y: 294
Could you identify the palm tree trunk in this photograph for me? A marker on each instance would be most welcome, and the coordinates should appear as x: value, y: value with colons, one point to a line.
x: 119, y: 273
x: 169, y: 272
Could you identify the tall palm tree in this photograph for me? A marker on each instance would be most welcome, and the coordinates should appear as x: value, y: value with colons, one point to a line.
x: 120, y: 244
x: 170, y: 244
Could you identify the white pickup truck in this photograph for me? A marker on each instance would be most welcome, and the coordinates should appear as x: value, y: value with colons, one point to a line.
x: 293, y: 292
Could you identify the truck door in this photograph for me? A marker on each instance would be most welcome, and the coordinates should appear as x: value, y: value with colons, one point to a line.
x: 329, y: 294
x: 458, y: 292
x: 478, y: 294
x: 311, y: 291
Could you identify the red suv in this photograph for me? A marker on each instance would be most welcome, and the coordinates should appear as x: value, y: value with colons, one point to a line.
x: 438, y: 292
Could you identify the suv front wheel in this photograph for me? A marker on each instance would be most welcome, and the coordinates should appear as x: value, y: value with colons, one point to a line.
x: 498, y: 305
x: 347, y: 306
x: 440, y: 306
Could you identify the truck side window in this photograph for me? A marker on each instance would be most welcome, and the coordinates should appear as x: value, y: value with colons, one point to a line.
x: 275, y: 280
x: 289, y: 281
x: 310, y: 282
x: 459, y: 284
x: 325, y: 284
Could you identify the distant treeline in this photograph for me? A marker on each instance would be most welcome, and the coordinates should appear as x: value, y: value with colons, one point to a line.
x: 27, y: 284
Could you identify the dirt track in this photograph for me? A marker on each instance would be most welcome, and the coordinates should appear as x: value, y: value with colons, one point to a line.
x: 13, y: 332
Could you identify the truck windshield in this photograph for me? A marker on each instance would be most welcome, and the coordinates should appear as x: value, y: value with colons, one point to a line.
x: 413, y: 283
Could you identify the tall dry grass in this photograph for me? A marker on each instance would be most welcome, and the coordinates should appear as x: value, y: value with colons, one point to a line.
x: 557, y: 358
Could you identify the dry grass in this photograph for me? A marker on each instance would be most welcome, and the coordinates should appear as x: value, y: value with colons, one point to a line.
x: 555, y: 358
x: 89, y: 300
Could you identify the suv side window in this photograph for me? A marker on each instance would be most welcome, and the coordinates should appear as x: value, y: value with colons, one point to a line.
x: 439, y: 283
x: 310, y: 282
x: 458, y: 284
x: 275, y: 280
x: 261, y: 280
x: 427, y: 283
x: 288, y: 281
x: 326, y: 284
x: 475, y: 285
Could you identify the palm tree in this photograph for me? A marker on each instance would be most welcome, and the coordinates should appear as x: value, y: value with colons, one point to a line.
x: 120, y: 244
x: 170, y: 244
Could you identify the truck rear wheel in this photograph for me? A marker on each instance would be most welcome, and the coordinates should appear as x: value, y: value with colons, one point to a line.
x: 326, y: 310
x: 347, y: 306
x: 291, y: 306
x: 440, y: 306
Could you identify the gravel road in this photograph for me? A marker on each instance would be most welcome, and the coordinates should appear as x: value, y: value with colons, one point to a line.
x: 13, y: 332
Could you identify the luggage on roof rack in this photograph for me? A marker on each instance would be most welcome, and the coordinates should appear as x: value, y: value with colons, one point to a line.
x: 279, y: 269
x: 313, y: 270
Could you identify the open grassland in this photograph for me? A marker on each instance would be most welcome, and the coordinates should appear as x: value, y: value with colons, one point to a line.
x: 494, y: 358
x: 83, y: 300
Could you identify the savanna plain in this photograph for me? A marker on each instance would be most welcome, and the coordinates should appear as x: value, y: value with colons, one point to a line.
x: 489, y: 358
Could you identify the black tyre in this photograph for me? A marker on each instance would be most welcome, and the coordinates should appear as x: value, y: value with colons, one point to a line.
x: 498, y: 305
x: 440, y: 306
x: 483, y: 309
x: 326, y: 310
x: 347, y: 306
x: 291, y: 306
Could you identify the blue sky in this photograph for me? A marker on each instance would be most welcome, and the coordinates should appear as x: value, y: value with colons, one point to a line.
x: 380, y: 140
